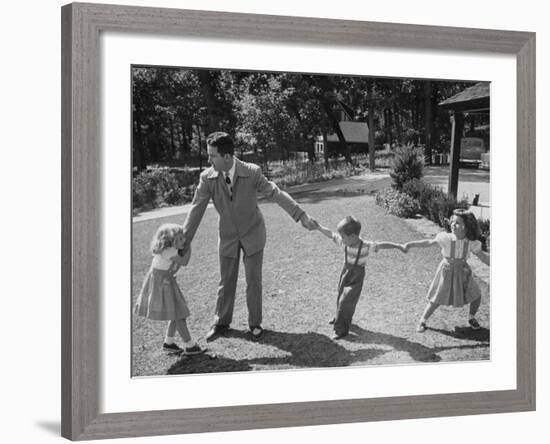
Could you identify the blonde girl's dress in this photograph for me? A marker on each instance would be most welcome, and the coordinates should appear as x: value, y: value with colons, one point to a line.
x: 160, y: 297
x: 453, y: 283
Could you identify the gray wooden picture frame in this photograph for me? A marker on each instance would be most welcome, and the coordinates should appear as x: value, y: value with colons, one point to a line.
x: 81, y: 247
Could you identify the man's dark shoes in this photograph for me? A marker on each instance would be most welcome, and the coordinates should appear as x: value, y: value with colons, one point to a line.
x: 339, y: 335
x: 216, y: 331
x: 257, y: 332
x: 474, y: 324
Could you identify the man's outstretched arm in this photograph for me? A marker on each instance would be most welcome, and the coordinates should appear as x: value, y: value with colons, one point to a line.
x: 271, y: 191
x: 198, y: 207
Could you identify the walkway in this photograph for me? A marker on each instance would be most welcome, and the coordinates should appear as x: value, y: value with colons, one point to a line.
x: 471, y: 182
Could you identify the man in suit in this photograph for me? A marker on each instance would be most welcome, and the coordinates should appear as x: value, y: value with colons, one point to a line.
x: 233, y: 186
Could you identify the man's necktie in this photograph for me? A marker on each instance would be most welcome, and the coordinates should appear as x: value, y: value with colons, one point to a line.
x: 228, y: 182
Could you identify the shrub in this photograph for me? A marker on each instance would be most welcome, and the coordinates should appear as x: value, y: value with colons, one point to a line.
x: 161, y: 186
x: 397, y: 203
x: 296, y: 173
x: 434, y: 204
x: 383, y: 158
x: 485, y: 236
x: 407, y: 164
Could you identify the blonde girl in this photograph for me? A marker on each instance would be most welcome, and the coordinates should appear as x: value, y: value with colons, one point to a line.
x: 453, y: 283
x: 160, y: 297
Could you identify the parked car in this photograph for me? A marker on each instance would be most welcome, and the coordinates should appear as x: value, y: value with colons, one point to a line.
x: 485, y: 161
x: 471, y: 150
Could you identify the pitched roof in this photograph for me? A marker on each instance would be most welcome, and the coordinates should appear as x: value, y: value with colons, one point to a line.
x: 474, y: 98
x: 354, y: 132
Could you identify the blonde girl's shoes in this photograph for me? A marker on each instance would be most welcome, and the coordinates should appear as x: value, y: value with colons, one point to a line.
x: 172, y: 348
x: 421, y: 327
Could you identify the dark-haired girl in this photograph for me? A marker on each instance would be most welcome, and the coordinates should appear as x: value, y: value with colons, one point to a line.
x: 453, y: 283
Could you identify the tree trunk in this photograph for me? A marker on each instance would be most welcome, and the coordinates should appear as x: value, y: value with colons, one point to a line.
x: 200, y: 148
x: 457, y: 120
x: 182, y: 140
x: 139, y: 160
x: 416, y: 111
x: 266, y: 163
x: 310, y: 148
x: 435, y: 113
x: 326, y: 153
x: 398, y: 128
x: 172, y: 154
x: 208, y: 91
x: 185, y: 145
x: 429, y: 120
x: 370, y: 111
x: 158, y: 152
x: 388, y: 125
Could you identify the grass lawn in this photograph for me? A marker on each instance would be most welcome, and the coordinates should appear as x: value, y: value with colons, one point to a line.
x: 301, y: 271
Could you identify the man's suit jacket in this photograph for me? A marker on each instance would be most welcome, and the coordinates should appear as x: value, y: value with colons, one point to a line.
x: 240, y: 218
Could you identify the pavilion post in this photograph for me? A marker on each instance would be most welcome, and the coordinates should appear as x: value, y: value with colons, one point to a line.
x: 457, y: 121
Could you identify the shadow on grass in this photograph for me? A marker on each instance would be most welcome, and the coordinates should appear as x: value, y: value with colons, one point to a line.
x: 206, y: 363
x: 481, y: 335
x: 314, y: 350
x: 419, y: 352
x: 304, y: 350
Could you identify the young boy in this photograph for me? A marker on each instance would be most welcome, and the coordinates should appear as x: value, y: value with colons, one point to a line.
x: 356, y: 251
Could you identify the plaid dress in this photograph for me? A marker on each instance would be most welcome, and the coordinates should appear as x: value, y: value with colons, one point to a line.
x: 454, y: 283
x: 161, y: 298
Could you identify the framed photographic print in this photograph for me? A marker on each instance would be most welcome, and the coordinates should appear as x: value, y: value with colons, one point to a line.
x: 252, y: 138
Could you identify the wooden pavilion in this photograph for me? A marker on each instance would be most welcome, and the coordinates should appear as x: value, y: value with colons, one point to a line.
x: 473, y: 100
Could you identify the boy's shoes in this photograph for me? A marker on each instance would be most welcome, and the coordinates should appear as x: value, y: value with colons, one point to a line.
x: 339, y: 335
x: 216, y: 331
x: 171, y: 348
x: 421, y: 327
x: 194, y: 350
x: 332, y: 321
x: 474, y: 324
x: 257, y: 332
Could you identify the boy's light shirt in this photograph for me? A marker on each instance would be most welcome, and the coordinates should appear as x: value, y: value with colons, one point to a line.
x: 352, y: 251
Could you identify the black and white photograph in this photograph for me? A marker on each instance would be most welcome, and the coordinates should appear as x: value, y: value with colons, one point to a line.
x: 275, y: 222
x: 288, y: 221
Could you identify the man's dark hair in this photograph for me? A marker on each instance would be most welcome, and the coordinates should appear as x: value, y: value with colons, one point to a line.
x: 222, y: 141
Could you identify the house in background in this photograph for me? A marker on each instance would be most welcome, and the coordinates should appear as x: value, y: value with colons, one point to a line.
x: 356, y: 134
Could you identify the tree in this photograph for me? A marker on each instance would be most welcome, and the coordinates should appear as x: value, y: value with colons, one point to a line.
x: 264, y: 120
